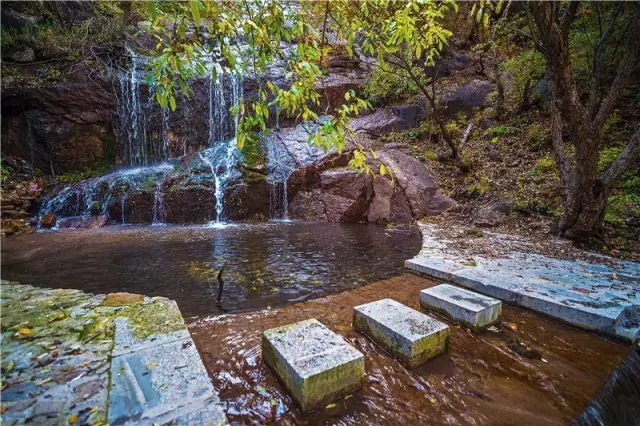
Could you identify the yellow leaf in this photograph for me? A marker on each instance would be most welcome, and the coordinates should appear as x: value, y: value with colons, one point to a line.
x: 330, y: 406
x: 152, y: 365
x: 73, y: 419
x: 24, y: 331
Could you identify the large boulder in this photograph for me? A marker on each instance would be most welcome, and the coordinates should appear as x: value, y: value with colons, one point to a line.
x: 340, y: 194
x: 390, y: 119
x: 419, y: 187
x: 463, y: 99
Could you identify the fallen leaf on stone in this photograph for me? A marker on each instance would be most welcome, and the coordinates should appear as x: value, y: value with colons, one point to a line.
x: 347, y: 397
x: 24, y: 331
x: 84, y: 363
x: 330, y: 406
x: 94, y: 409
x: 73, y: 419
x: 152, y: 365
x: 163, y: 388
x: 42, y: 382
x: 274, y: 402
x: 494, y: 329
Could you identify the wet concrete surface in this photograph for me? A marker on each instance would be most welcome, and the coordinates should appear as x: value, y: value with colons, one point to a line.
x: 528, y: 370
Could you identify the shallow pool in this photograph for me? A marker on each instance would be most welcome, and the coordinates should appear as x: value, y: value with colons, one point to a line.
x: 266, y: 264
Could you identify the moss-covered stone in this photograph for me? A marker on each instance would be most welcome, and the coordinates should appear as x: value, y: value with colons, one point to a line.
x: 122, y: 299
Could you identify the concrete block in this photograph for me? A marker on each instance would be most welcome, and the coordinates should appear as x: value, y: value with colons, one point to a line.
x: 407, y: 334
x: 315, y: 364
x: 471, y: 309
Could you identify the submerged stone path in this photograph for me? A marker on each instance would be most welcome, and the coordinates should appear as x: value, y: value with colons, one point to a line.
x: 69, y: 357
x: 602, y: 297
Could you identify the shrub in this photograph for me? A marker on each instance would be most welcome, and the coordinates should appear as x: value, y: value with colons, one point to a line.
x: 525, y: 70
x: 539, y: 136
x: 385, y: 87
x: 482, y: 187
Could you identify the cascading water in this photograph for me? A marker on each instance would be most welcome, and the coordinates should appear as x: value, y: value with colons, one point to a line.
x: 223, y: 124
x: 280, y: 166
x: 158, y: 204
x: 97, y: 196
x: 146, y: 138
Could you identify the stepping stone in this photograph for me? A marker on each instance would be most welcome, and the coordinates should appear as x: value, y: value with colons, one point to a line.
x: 471, y: 309
x: 409, y: 335
x: 315, y: 364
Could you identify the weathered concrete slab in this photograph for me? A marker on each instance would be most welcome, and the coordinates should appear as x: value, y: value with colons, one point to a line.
x: 471, y: 309
x: 69, y: 358
x: 407, y: 334
x: 315, y: 364
x: 594, y: 296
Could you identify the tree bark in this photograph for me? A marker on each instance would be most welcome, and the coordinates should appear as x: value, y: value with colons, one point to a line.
x: 585, y: 194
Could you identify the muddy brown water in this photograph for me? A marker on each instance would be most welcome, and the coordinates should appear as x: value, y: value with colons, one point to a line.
x: 480, y: 381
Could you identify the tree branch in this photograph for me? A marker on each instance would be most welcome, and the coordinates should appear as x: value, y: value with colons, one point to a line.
x: 624, y: 69
x: 627, y: 159
x: 598, y: 52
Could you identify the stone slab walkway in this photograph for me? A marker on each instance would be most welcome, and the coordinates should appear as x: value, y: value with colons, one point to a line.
x: 70, y: 357
x: 603, y: 296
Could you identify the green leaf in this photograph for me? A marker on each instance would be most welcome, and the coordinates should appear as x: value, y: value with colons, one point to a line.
x: 195, y: 11
x: 172, y: 102
x: 151, y: 7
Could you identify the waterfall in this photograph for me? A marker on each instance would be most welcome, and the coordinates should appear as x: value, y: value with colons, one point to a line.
x: 158, y: 204
x: 280, y: 166
x: 93, y: 196
x: 223, y: 163
x: 146, y: 139
x: 221, y: 158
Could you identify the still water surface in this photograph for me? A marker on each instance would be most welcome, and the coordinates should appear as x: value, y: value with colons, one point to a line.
x: 265, y: 264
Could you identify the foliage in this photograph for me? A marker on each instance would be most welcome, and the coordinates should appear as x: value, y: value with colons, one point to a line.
x: 411, y: 31
x: 385, y: 87
x: 525, y: 70
x: 482, y: 187
x: 539, y: 135
x: 91, y: 38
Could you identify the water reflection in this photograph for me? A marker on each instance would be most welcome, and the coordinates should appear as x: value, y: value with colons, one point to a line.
x: 266, y: 264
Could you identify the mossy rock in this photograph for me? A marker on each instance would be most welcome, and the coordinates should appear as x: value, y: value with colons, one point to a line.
x: 123, y: 299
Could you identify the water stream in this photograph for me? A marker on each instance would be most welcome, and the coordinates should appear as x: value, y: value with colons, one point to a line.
x: 280, y: 166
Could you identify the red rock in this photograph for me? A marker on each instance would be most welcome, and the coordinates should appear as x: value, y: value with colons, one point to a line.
x: 48, y: 221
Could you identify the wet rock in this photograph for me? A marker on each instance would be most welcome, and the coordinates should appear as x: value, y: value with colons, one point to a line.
x: 409, y: 335
x: 471, y: 309
x: 138, y: 207
x: 194, y: 204
x: 122, y: 299
x: 315, y: 364
x: 308, y: 206
x: 25, y: 55
x: 48, y: 221
x: 83, y: 222
x: 492, y: 214
x: 247, y: 200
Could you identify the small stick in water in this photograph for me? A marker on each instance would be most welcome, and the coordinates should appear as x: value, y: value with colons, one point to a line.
x: 220, y: 283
